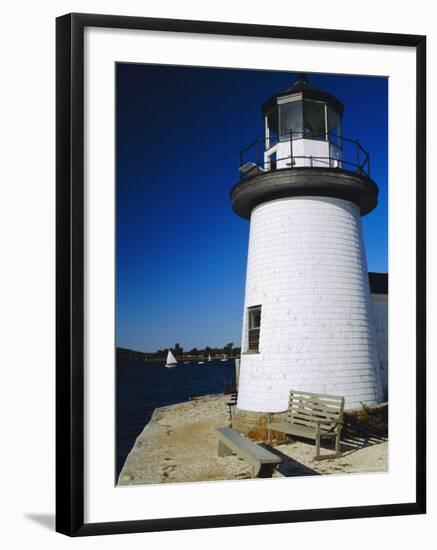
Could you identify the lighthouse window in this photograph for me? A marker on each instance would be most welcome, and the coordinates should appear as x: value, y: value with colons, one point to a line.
x: 291, y: 119
x: 254, y: 325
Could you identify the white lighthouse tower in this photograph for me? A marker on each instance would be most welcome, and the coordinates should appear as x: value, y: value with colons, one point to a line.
x: 308, y: 322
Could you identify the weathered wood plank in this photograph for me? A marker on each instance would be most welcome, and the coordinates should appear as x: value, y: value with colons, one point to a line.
x: 330, y: 405
x: 326, y: 397
x: 251, y: 452
x: 312, y: 418
x: 300, y: 431
x: 314, y: 404
x: 307, y: 413
x: 312, y: 424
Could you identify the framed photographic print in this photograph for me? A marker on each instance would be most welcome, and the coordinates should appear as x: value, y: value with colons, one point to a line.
x: 240, y: 274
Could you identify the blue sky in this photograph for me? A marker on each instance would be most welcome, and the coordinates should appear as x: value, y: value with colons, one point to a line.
x: 181, y: 251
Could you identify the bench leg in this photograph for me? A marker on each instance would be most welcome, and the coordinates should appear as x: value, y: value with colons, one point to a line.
x: 337, y: 446
x: 266, y: 470
x: 223, y: 450
x: 269, y: 431
x: 337, y: 453
x: 262, y: 470
x: 317, y: 457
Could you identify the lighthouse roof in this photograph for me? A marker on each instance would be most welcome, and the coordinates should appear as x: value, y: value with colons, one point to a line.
x: 308, y: 91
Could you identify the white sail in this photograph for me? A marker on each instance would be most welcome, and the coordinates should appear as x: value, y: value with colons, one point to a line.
x: 171, y: 360
x: 209, y: 357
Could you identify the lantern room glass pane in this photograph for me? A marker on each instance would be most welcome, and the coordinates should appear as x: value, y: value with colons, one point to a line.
x: 334, y: 121
x: 334, y: 126
x: 272, y: 121
x: 291, y: 119
x: 314, y: 123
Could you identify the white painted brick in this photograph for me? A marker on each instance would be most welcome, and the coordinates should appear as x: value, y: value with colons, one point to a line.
x: 307, y: 268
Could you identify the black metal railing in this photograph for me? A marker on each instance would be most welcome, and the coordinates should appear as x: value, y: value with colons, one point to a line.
x: 260, y: 156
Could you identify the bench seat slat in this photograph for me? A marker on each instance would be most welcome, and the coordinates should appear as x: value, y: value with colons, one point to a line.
x: 298, y: 430
x: 312, y: 423
x: 245, y: 448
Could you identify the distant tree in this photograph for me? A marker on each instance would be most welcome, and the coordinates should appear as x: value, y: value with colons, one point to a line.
x: 228, y: 348
x: 178, y: 349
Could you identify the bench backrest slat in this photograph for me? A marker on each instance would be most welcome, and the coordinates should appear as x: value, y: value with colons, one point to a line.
x: 306, y: 408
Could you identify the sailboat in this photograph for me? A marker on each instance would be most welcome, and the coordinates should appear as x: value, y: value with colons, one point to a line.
x: 209, y: 357
x: 171, y: 360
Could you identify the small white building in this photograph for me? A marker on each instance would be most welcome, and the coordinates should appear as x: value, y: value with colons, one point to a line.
x: 309, y: 322
x: 379, y: 293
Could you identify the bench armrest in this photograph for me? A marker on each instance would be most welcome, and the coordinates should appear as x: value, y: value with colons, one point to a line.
x: 335, y: 425
x: 329, y: 422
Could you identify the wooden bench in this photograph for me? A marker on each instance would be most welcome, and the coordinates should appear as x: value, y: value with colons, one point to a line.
x: 313, y: 416
x: 261, y: 460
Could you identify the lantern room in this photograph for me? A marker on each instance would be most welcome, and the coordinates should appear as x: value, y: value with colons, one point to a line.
x: 302, y: 128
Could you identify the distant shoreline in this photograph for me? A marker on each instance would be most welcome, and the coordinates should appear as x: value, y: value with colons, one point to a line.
x: 132, y: 355
x: 184, y: 360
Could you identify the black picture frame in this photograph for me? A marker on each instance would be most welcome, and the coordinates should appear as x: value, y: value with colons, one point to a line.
x: 70, y: 273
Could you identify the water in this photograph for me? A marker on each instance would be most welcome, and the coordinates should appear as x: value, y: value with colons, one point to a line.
x: 144, y: 386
